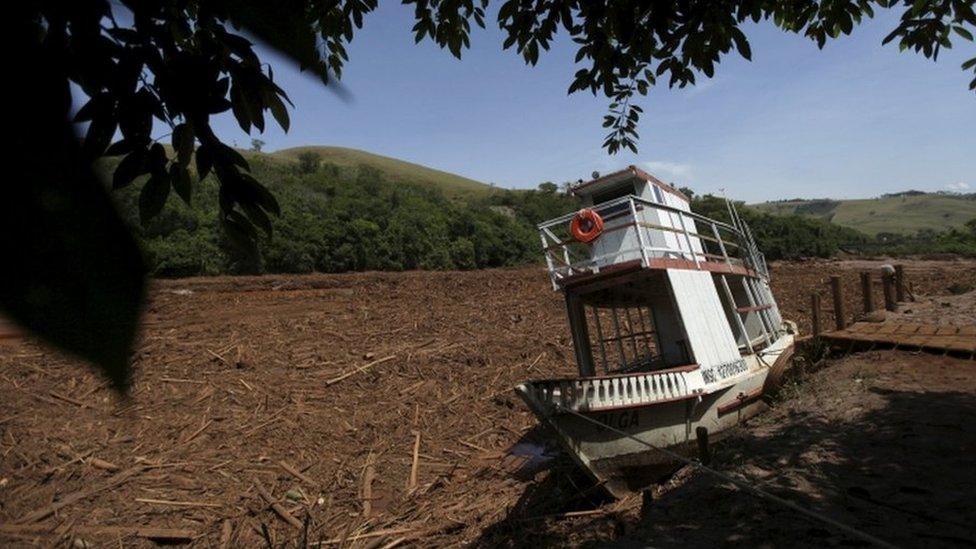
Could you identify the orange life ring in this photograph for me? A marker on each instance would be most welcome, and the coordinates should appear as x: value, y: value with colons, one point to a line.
x: 586, y: 225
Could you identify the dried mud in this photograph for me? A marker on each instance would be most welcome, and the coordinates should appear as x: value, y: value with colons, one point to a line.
x: 337, y: 377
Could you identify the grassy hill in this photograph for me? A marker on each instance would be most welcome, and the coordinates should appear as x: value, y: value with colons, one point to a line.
x: 904, y: 213
x: 397, y: 171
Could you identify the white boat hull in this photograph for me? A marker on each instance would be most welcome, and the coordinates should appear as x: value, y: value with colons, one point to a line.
x: 623, y: 464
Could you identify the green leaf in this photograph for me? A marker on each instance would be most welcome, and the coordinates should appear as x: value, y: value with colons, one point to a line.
x: 153, y: 197
x: 963, y: 32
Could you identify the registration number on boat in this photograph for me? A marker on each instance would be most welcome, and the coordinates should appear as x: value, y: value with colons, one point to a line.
x: 724, y: 371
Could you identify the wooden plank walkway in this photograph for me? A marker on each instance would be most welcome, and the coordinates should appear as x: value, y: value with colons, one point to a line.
x: 927, y: 337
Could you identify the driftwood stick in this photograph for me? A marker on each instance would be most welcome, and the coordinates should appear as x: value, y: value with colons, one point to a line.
x: 415, y: 465
x: 297, y: 474
x: 102, y: 464
x: 177, y: 503
x: 196, y: 433
x: 369, y: 473
x: 48, y: 510
x: 367, y: 535
x: 358, y: 370
x: 217, y: 356
x: 147, y: 532
x: 277, y: 507
x: 68, y: 399
x: 226, y: 532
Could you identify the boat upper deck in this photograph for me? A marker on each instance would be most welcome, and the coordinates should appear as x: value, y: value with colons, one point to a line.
x: 642, y: 233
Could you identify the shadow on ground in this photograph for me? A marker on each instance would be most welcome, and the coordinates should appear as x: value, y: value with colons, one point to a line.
x: 898, y: 465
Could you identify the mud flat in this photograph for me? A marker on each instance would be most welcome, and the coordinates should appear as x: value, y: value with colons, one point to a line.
x: 379, y: 405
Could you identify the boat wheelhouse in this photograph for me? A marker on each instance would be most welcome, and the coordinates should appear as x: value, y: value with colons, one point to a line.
x: 674, y: 326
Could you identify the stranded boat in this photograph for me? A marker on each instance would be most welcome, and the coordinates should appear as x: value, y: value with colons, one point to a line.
x: 673, y: 323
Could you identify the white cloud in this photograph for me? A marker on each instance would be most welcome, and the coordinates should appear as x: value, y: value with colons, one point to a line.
x: 665, y: 169
x: 958, y: 186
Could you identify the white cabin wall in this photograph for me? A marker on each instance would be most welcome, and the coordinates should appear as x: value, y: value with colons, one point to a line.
x: 671, y: 338
x: 704, y: 319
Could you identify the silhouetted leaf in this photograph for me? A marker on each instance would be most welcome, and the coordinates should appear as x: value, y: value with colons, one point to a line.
x: 153, y: 197
x: 180, y: 177
x: 72, y: 274
x: 132, y: 166
x: 183, y: 143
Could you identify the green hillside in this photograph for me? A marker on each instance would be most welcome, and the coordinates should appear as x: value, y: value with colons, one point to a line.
x: 393, y: 170
x: 902, y: 213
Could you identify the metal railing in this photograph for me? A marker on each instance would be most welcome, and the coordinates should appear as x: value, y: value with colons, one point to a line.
x: 696, y: 238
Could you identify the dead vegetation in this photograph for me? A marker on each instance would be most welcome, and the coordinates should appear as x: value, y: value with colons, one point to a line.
x: 377, y: 405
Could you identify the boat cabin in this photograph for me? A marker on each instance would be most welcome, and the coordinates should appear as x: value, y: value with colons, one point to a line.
x: 660, y: 287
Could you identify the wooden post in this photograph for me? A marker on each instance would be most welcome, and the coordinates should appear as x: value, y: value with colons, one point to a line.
x: 888, y: 283
x: 815, y: 312
x: 836, y: 290
x: 900, y: 283
x: 704, y: 453
x: 866, y: 290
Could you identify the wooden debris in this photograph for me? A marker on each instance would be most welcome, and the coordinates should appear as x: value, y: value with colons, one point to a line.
x: 177, y: 503
x: 367, y: 535
x: 170, y: 535
x: 278, y: 508
x: 297, y: 474
x: 226, y: 533
x: 102, y: 464
x: 358, y: 370
x: 415, y: 466
x: 196, y: 433
x: 48, y: 510
x: 369, y: 473
x: 217, y: 356
x: 68, y: 399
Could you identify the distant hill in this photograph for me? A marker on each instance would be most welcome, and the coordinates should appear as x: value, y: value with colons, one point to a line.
x: 451, y: 185
x: 900, y: 213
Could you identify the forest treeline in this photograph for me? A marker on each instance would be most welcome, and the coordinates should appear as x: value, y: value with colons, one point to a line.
x: 354, y: 218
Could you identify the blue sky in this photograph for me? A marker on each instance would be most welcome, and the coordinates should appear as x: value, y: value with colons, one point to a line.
x: 853, y: 120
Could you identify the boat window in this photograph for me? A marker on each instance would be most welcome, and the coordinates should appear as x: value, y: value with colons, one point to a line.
x: 623, y: 339
x: 635, y: 329
x: 657, y: 194
x: 612, y: 194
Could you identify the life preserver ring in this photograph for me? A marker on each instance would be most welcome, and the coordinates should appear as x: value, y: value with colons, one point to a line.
x: 586, y: 225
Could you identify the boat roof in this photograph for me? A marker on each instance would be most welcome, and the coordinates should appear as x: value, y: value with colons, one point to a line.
x: 630, y: 172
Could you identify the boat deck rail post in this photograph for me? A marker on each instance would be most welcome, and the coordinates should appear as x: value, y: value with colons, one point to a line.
x: 640, y: 232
